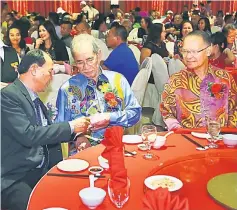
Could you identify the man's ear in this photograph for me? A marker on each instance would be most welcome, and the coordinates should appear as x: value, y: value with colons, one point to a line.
x: 33, y: 69
x: 99, y: 55
x: 209, y: 50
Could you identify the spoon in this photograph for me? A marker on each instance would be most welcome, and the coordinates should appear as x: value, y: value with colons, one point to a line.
x: 163, y: 138
x: 202, y: 149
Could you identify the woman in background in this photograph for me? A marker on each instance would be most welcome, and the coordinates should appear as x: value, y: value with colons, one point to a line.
x: 221, y: 56
x: 145, y: 25
x: 49, y: 42
x: 15, y: 39
x: 204, y: 25
x: 185, y: 28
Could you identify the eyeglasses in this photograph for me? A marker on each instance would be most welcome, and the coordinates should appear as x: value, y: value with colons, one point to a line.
x: 192, y: 52
x: 89, y: 61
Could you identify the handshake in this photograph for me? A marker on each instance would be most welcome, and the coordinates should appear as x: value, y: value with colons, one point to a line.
x: 93, y: 123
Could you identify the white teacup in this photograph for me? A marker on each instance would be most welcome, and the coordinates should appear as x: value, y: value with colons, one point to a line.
x: 92, y: 196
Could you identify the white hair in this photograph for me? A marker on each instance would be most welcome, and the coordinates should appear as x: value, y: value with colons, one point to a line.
x: 84, y: 41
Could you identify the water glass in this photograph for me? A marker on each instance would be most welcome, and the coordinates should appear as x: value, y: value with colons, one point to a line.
x: 213, y: 128
x: 118, y: 196
x: 149, y: 134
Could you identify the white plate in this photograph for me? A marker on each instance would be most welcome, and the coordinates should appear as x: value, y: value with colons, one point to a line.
x: 201, y: 135
x: 132, y: 139
x: 177, y: 184
x: 205, y: 135
x: 55, y: 208
x: 72, y: 165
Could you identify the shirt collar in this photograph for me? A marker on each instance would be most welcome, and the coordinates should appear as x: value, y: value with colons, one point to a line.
x: 32, y: 94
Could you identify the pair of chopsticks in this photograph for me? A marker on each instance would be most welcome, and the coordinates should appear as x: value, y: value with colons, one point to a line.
x: 126, y: 151
x: 192, y: 141
x: 74, y: 175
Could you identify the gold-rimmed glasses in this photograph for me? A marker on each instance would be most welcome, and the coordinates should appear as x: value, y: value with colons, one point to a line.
x: 192, y: 52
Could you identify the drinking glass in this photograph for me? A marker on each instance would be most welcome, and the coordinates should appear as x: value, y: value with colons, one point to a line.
x: 213, y: 128
x: 118, y: 196
x: 149, y: 133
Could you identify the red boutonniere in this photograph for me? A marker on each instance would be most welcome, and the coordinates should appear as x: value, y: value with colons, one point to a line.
x: 216, y: 89
x: 111, y: 99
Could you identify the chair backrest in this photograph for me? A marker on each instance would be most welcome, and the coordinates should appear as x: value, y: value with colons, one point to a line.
x: 161, y: 76
x: 170, y: 47
x: 71, y: 60
x: 133, y: 34
x: 147, y: 63
x: 215, y: 29
x: 140, y: 83
x: 50, y: 94
x: 159, y: 71
x: 95, y: 33
x: 175, y: 65
x: 136, y: 52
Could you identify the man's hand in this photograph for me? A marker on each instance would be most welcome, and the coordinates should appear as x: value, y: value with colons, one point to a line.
x: 81, y: 124
x: 82, y: 143
x: 99, y: 121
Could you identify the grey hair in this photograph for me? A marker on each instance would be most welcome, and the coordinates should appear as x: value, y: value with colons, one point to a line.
x: 227, y: 28
x: 84, y: 40
x: 35, y: 56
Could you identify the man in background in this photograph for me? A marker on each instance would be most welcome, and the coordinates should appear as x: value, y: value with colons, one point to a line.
x: 66, y: 28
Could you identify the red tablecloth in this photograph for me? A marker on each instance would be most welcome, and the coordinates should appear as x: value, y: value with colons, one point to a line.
x: 63, y: 191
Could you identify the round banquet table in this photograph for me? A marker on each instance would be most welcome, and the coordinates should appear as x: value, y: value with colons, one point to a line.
x: 178, y: 158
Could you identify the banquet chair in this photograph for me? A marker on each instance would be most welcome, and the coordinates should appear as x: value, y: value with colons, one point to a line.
x: 71, y: 60
x: 138, y: 87
x: 161, y: 76
x: 50, y: 96
x: 136, y: 52
x: 132, y: 37
x: 95, y: 33
x: 215, y: 29
x: 175, y: 65
x: 170, y: 47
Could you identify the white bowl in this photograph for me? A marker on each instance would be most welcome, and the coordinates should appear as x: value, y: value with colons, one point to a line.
x: 103, y: 162
x: 230, y: 140
x: 160, y: 141
x: 92, y: 196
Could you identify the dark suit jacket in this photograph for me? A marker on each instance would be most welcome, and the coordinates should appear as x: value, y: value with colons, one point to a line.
x: 8, y: 73
x: 22, y: 139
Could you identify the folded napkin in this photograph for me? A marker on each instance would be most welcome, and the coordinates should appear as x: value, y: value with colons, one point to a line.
x: 115, y: 156
x: 161, y: 199
x: 203, y: 130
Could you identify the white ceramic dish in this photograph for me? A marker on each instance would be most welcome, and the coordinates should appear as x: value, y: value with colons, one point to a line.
x: 72, y: 165
x: 153, y: 182
x: 132, y: 139
x: 92, y: 196
x: 230, y: 140
x: 142, y: 147
x: 201, y: 135
x: 95, y: 169
x: 103, y: 162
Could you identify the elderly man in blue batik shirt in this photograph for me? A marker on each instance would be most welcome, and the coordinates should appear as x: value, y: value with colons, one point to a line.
x: 103, y: 96
x: 121, y: 59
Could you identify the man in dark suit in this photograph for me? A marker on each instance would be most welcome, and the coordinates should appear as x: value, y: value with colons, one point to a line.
x: 30, y: 143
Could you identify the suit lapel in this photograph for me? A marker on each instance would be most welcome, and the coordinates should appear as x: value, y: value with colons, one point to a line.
x: 24, y: 91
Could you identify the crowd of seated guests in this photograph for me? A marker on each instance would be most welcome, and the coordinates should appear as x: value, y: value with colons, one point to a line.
x: 104, y: 67
x: 112, y: 31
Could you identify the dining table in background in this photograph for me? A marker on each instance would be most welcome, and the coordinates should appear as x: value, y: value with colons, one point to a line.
x: 178, y: 158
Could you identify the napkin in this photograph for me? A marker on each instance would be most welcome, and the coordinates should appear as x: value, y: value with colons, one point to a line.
x: 115, y: 155
x: 161, y: 199
x: 203, y: 130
